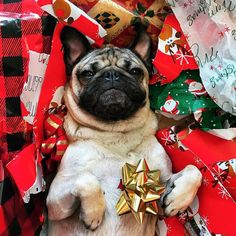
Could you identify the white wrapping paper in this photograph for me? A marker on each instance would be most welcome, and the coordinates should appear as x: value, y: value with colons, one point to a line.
x: 210, y: 27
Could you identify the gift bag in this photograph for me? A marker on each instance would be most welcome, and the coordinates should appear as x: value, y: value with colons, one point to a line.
x: 210, y: 26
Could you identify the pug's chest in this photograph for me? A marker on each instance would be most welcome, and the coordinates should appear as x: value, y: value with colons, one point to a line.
x: 108, y: 171
x: 106, y: 165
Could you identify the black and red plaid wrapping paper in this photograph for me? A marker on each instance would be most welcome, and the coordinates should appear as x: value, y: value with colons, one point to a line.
x: 23, y: 26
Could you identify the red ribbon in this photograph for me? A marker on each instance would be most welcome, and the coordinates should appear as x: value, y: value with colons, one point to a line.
x: 56, y: 142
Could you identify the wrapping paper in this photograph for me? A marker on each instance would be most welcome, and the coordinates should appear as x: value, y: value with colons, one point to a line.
x: 26, y: 42
x: 173, y: 52
x: 52, y: 91
x: 22, y: 32
x: 68, y: 13
x: 118, y: 17
x: 210, y: 26
x: 215, y: 157
x: 187, y: 95
x: 23, y: 27
x: 19, y: 32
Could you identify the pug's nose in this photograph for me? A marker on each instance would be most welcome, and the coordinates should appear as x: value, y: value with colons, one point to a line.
x: 111, y: 75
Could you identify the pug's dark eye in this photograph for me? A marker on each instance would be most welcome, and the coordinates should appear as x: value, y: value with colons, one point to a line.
x: 87, y: 73
x: 135, y: 71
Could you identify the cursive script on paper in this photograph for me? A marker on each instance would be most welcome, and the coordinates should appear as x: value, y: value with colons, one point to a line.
x: 208, y: 57
x: 205, y: 7
x: 228, y: 71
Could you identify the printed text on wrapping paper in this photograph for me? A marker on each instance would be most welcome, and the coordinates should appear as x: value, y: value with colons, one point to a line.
x: 33, y: 82
x: 32, y: 85
x: 209, y: 57
x: 234, y: 34
x: 210, y: 10
x: 230, y: 70
x: 31, y: 91
x: 31, y: 107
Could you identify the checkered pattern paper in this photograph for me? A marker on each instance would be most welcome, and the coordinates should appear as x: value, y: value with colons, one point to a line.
x: 23, y: 27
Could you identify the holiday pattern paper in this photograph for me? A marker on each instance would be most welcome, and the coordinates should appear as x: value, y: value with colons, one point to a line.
x: 68, y: 13
x: 173, y: 54
x: 211, y: 30
x: 23, y: 26
x: 118, y: 17
x: 213, y: 210
x: 187, y: 95
x: 32, y: 87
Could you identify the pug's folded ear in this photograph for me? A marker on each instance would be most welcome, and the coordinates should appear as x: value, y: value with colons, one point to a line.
x: 75, y: 46
x: 142, y: 45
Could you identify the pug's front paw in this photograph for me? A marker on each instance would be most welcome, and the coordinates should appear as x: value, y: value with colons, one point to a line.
x: 92, y: 201
x: 92, y: 211
x: 181, y: 190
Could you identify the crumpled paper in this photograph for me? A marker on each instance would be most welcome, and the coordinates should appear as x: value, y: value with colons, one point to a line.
x: 211, y: 30
x: 68, y: 13
x: 118, y: 17
x: 173, y: 52
x: 215, y: 158
x: 186, y: 95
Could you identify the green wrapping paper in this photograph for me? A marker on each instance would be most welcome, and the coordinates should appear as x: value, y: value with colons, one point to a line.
x: 187, y: 95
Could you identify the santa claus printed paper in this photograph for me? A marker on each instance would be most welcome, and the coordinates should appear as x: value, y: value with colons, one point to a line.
x: 170, y: 105
x: 195, y: 88
x: 187, y: 95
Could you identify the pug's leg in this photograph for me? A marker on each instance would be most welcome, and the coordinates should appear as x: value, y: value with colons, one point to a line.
x: 92, y: 208
x: 60, y: 201
x: 67, y: 192
x: 181, y: 190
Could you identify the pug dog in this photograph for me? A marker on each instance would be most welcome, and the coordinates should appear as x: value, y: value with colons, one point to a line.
x: 109, y: 123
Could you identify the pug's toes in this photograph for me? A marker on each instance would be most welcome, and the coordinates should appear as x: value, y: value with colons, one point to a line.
x: 92, y: 218
x: 92, y: 201
x: 181, y: 190
x: 92, y: 210
x: 175, y: 202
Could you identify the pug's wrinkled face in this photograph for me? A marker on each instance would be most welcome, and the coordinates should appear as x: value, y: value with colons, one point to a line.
x: 109, y: 83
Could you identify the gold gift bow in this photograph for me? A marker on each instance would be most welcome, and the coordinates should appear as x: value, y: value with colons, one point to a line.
x: 141, y: 190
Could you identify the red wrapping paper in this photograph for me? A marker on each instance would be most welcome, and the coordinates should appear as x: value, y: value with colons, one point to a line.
x: 213, y: 210
x: 23, y: 26
x: 173, y: 54
x: 118, y: 17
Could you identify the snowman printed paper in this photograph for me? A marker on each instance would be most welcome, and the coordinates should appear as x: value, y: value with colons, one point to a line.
x: 173, y: 54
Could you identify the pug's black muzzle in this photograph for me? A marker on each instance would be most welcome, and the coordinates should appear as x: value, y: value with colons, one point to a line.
x: 112, y: 96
